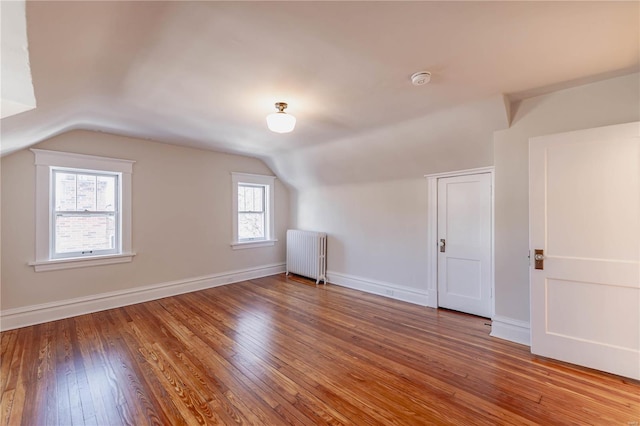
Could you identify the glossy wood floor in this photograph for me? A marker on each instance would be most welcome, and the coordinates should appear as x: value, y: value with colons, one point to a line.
x: 278, y: 351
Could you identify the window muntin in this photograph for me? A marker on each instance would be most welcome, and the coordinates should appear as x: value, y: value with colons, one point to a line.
x: 85, y: 214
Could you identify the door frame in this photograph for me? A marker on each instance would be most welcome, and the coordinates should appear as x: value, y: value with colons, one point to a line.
x: 432, y: 231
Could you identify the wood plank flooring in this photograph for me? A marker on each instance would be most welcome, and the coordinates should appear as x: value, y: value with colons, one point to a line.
x: 277, y: 351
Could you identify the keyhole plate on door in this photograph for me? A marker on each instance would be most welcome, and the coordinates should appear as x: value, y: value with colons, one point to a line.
x: 538, y: 258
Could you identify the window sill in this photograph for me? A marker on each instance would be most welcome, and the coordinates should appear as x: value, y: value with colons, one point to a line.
x: 80, y: 262
x: 240, y: 245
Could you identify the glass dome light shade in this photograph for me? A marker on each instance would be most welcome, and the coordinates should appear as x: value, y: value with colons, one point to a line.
x: 281, y: 122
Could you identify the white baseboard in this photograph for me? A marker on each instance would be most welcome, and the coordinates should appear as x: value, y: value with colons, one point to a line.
x: 37, y: 314
x: 511, y: 329
x: 432, y: 298
x: 406, y: 294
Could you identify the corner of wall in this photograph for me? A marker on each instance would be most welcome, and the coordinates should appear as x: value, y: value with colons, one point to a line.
x: 507, y: 111
x: 511, y: 329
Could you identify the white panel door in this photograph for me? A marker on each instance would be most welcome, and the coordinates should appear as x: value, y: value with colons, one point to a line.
x: 585, y: 214
x: 465, y: 234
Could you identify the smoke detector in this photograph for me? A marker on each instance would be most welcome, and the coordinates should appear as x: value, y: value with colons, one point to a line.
x: 420, y: 78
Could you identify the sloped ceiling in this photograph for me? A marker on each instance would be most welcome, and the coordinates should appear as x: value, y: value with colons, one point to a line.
x: 205, y: 74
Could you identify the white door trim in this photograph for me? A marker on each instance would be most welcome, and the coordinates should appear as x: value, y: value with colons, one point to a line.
x: 432, y: 232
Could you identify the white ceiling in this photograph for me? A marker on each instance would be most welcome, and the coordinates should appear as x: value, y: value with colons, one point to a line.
x: 205, y: 74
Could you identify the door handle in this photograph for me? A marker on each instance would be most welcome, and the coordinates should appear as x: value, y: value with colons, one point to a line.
x: 443, y: 245
x: 538, y: 258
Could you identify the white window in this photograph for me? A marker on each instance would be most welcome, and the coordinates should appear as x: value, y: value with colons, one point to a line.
x: 253, y: 210
x: 83, y: 210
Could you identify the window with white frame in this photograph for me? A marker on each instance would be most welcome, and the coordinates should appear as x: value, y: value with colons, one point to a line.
x: 253, y: 210
x: 85, y: 215
x: 83, y: 210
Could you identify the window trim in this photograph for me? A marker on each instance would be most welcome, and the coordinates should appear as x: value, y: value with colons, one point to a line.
x: 252, y: 179
x: 45, y: 160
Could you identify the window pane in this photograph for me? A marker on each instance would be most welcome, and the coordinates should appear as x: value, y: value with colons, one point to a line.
x: 86, y: 192
x: 250, y: 226
x: 106, y: 193
x: 65, y: 191
x: 84, y: 233
x: 258, y: 197
x: 241, y: 203
x: 250, y: 198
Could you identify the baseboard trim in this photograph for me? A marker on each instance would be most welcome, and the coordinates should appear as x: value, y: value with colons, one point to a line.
x: 393, y: 291
x: 37, y: 314
x: 511, y: 329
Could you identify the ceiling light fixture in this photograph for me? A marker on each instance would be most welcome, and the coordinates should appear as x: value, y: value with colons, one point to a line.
x: 281, y: 122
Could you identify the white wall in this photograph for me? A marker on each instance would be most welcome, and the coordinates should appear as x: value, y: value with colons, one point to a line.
x: 181, y: 221
x: 376, y: 232
x: 598, y: 104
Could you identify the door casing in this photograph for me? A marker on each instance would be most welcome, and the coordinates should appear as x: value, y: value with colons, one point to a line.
x: 432, y: 232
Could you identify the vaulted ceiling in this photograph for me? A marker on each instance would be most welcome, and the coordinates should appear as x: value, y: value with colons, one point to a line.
x: 205, y: 74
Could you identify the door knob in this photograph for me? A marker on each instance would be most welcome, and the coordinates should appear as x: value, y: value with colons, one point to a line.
x: 442, y: 245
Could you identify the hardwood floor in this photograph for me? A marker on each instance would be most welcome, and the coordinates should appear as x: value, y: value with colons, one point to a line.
x: 276, y: 351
